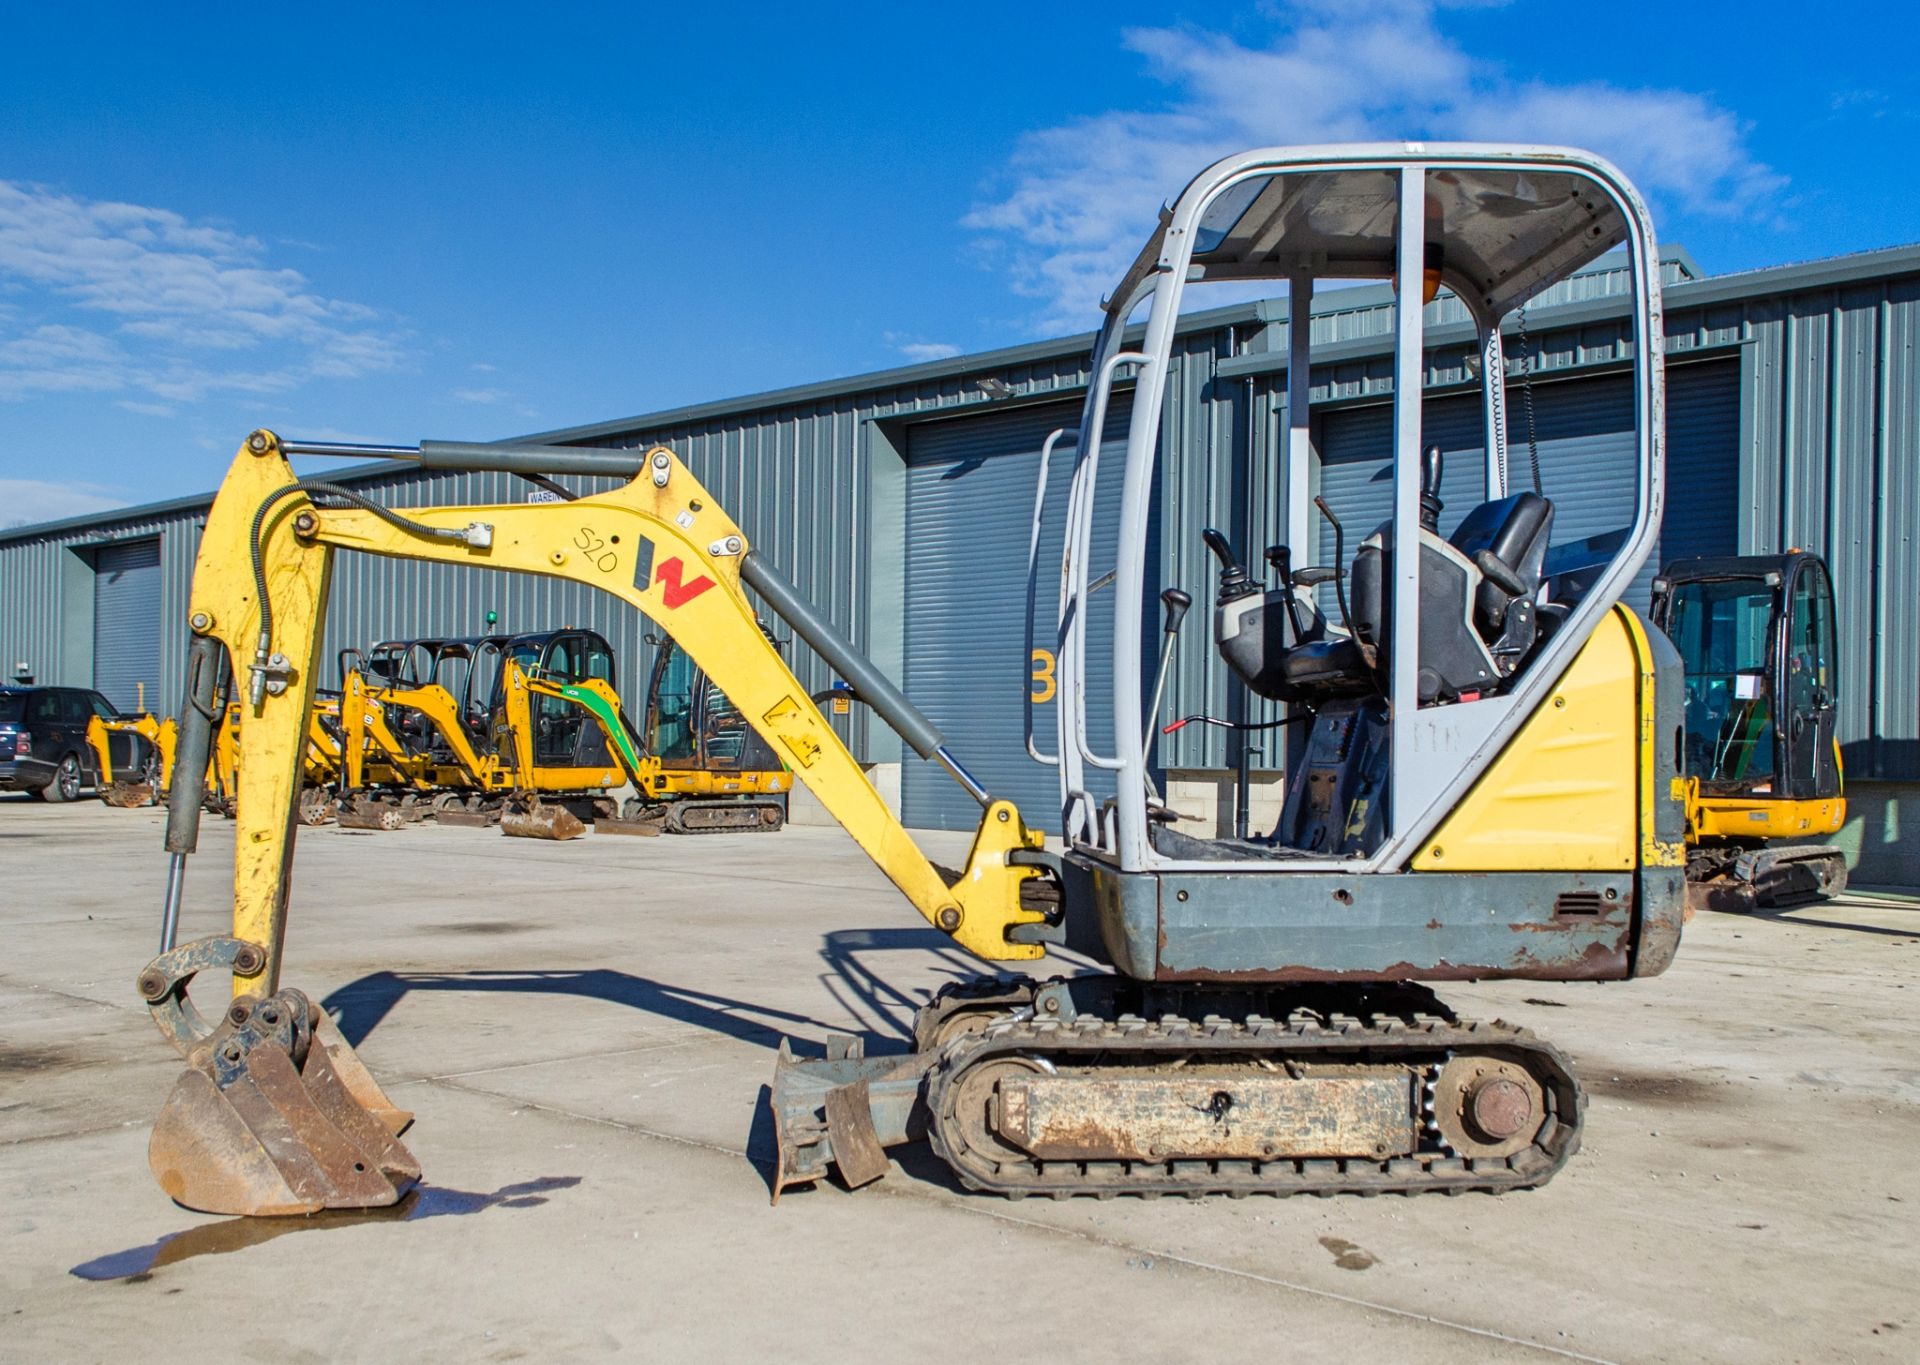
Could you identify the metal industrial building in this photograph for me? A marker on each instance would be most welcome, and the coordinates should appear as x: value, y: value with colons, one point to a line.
x: 900, y: 502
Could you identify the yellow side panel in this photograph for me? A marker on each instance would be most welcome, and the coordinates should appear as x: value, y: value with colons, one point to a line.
x: 1767, y: 818
x: 1562, y: 797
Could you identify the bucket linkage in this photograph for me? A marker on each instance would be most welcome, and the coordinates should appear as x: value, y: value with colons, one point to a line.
x: 275, y: 1113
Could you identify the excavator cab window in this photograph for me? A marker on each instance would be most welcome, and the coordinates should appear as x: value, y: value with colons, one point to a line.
x: 1724, y: 631
x: 557, y: 721
x: 672, y: 732
x: 1810, y: 685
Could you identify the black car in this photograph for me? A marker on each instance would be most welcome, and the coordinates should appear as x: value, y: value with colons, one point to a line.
x: 43, y: 741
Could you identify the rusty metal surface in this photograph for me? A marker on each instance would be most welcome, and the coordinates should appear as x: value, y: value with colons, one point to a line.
x: 360, y: 811
x: 1312, y: 1032
x: 803, y: 1132
x: 526, y: 816
x: 318, y: 806
x: 643, y: 828
x: 1205, y: 1113
x: 261, y: 1123
x: 128, y: 795
x: 1487, y: 1107
x: 476, y: 813
x: 856, y: 1146
x: 275, y: 1114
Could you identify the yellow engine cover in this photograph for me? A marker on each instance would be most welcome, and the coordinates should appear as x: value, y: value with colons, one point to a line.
x: 1566, y: 793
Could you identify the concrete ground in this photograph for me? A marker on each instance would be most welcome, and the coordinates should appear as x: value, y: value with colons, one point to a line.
x: 585, y: 1031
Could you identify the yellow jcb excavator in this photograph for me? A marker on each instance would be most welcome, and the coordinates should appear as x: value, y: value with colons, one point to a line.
x: 139, y: 776
x: 1486, y: 787
x: 1756, y: 634
x: 700, y: 769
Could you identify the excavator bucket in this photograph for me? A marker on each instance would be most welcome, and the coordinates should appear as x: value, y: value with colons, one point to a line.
x: 526, y: 816
x: 275, y: 1114
x: 128, y: 795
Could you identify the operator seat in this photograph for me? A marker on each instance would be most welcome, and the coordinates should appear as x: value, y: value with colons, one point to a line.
x: 1478, y: 616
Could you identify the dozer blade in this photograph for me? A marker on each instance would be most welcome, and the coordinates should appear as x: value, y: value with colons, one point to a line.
x: 362, y: 812
x: 526, y: 816
x: 466, y: 819
x: 844, y: 1110
x: 643, y: 828
x: 275, y: 1114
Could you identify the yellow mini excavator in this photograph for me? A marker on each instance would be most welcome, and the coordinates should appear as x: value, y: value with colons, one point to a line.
x: 133, y: 756
x: 528, y: 731
x: 1756, y: 634
x: 700, y: 769
x: 1485, y: 785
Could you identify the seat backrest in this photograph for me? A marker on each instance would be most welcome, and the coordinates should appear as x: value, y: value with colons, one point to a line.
x: 1454, y: 657
x: 1515, y: 528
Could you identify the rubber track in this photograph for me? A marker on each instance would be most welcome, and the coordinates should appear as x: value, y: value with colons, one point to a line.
x: 676, y: 825
x: 1421, y: 1039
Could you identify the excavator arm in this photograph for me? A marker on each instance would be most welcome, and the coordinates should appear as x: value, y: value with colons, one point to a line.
x: 275, y: 1113
x: 661, y: 543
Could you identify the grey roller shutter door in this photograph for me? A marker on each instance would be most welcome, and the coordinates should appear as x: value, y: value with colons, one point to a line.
x: 126, y: 624
x: 1584, y: 429
x: 970, y: 484
x: 1703, y: 461
x: 1356, y: 475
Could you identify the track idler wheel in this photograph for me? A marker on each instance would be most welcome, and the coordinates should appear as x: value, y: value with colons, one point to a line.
x: 1486, y: 1106
x: 526, y: 816
x: 275, y: 1114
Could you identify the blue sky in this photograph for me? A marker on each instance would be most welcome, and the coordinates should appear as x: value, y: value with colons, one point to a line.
x: 480, y: 221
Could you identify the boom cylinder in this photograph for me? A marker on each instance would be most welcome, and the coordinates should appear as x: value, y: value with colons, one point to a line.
x: 873, y: 686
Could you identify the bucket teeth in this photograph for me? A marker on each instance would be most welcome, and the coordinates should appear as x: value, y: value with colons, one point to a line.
x: 276, y: 1116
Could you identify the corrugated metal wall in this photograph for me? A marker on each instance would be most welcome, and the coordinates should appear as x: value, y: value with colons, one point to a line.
x: 1828, y: 443
x: 1831, y: 462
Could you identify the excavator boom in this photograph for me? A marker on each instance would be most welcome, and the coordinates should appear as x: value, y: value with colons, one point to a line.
x: 660, y: 543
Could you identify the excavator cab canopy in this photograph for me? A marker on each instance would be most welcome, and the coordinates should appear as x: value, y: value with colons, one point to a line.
x: 1756, y: 633
x: 1435, y: 660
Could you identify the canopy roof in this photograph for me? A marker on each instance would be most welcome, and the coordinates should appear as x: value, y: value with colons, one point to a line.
x: 1507, y: 220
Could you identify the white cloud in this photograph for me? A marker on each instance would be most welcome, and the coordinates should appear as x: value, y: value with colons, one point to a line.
x: 24, y: 502
x: 487, y: 396
x: 918, y: 351
x: 121, y: 298
x: 1078, y: 199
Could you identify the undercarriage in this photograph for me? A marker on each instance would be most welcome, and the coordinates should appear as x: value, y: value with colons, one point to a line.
x: 1103, y: 1086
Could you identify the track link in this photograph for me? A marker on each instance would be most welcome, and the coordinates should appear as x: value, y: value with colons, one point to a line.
x: 725, y: 817
x: 1374, y: 1033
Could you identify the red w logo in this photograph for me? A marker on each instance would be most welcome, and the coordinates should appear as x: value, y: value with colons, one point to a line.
x: 674, y: 590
